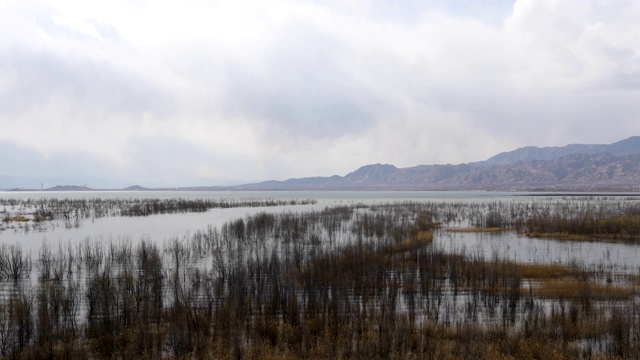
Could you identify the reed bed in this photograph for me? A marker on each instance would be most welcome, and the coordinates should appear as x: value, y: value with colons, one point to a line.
x: 50, y: 208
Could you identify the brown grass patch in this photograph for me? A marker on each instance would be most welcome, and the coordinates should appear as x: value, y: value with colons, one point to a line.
x: 534, y: 271
x: 423, y: 239
x: 633, y: 279
x: 477, y: 229
x: 571, y: 290
x: 545, y: 271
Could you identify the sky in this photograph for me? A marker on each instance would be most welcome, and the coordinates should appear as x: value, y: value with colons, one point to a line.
x: 192, y: 92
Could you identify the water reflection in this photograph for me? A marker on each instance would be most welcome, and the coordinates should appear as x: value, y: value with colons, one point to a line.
x: 513, y: 246
x: 157, y: 228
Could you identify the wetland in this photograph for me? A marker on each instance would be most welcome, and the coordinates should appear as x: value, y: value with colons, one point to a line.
x: 319, y: 275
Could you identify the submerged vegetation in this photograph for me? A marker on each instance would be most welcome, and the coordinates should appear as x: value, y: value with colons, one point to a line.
x: 356, y: 281
x: 51, y: 208
x: 71, y: 211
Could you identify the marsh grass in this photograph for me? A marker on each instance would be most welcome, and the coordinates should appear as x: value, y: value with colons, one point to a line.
x: 66, y: 209
x: 18, y: 218
x: 543, y: 271
x: 477, y: 230
x: 571, y: 289
x: 422, y: 239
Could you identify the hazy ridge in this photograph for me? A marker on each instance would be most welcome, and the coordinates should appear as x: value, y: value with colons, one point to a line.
x: 575, y: 167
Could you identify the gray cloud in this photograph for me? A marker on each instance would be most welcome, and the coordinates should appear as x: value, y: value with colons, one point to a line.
x: 251, y: 91
x: 302, y: 87
x: 160, y: 161
x: 86, y: 85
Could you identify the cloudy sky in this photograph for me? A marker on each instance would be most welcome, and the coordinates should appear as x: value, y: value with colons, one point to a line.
x: 180, y: 93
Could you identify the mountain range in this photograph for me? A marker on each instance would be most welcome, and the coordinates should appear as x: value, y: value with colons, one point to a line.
x: 575, y: 167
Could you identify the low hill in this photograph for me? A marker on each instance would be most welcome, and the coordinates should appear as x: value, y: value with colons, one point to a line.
x: 136, y: 188
x: 577, y: 167
x: 68, y: 188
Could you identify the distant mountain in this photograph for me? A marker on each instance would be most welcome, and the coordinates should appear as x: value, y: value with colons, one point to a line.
x: 68, y: 188
x: 576, y: 172
x: 136, y: 188
x: 613, y: 167
x: 624, y: 147
x: 575, y: 167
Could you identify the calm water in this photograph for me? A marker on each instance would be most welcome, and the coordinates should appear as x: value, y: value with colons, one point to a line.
x: 622, y: 257
x: 521, y: 248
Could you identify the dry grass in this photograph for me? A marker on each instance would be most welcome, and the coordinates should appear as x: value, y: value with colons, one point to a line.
x: 572, y: 290
x: 544, y: 271
x: 423, y: 239
x: 477, y: 230
x: 533, y: 271
x: 634, y: 280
